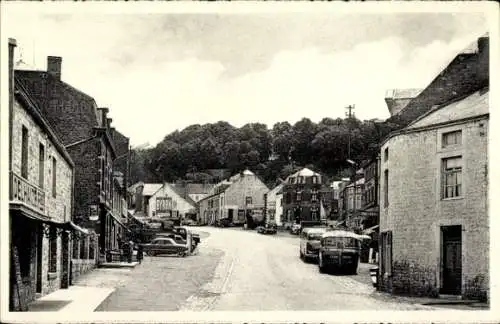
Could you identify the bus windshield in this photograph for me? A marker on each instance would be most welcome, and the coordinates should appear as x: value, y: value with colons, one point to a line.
x: 341, y: 242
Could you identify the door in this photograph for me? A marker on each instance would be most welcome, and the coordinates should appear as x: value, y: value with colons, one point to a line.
x: 39, y: 255
x: 230, y: 215
x: 452, y: 260
x: 65, y: 260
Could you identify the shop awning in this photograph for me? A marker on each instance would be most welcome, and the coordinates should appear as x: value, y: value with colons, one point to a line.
x: 77, y: 228
x: 370, y: 230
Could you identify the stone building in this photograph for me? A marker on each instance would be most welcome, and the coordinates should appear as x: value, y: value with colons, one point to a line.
x: 273, y: 207
x: 434, y: 221
x: 85, y: 131
x: 301, y: 197
x: 237, y: 200
x: 41, y: 175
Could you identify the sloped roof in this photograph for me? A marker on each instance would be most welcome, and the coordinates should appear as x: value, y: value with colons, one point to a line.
x: 473, y: 105
x: 179, y: 190
x: 134, y: 186
x: 305, y: 172
x: 248, y: 172
x: 151, y: 188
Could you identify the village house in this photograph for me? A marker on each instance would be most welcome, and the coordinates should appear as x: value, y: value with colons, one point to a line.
x: 41, y: 175
x: 161, y: 201
x: 87, y: 136
x: 301, y: 197
x: 238, y: 200
x: 434, y: 221
x: 273, y: 209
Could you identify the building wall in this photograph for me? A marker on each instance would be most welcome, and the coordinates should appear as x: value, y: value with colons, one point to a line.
x: 415, y: 210
x: 279, y: 210
x: 246, y: 186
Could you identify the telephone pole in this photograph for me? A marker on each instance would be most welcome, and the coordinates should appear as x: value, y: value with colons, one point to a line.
x: 349, y: 114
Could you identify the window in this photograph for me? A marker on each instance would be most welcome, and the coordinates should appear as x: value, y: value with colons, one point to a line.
x: 91, y: 250
x: 452, y: 177
x: 54, y: 177
x: 386, y: 253
x: 83, y: 254
x: 300, y: 180
x: 314, y: 179
x: 75, y: 248
x: 24, y: 153
x: 299, y: 195
x: 53, y: 250
x: 386, y: 154
x: 314, y: 215
x: 292, y: 180
x: 386, y: 188
x: 248, y: 201
x: 41, y: 165
x: 314, y: 195
x: 452, y: 138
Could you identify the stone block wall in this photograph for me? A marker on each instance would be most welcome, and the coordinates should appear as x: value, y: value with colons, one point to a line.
x: 416, y: 211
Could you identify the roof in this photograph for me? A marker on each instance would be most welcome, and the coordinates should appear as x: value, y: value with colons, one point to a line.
x: 248, y: 172
x: 340, y: 233
x: 402, y: 93
x: 134, y: 186
x: 151, y: 188
x: 305, y: 172
x: 472, y: 105
x: 25, y: 98
x: 180, y: 191
x: 314, y: 230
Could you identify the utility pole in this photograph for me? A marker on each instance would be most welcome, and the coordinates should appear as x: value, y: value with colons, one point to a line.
x: 349, y: 114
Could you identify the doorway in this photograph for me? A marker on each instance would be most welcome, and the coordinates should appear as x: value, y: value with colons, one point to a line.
x: 65, y: 260
x: 230, y: 215
x: 39, y: 257
x: 451, y: 264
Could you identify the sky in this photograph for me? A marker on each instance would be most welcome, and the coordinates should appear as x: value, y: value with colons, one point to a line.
x: 162, y: 72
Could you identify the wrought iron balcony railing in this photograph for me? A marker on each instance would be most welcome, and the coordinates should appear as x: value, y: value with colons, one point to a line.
x: 21, y: 190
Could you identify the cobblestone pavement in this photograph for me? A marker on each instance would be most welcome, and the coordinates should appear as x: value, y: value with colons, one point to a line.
x: 264, y: 272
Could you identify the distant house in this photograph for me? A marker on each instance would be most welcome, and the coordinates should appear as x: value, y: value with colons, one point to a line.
x: 160, y: 201
x: 397, y: 99
x: 434, y: 222
x: 273, y: 209
x: 301, y: 197
x: 237, y: 199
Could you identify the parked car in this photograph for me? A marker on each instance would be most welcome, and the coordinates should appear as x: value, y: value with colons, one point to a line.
x: 177, y: 238
x: 267, y: 229
x: 165, y: 245
x: 295, y: 229
x: 188, y: 222
x: 310, y: 239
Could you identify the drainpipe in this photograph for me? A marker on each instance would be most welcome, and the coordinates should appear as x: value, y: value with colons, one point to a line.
x: 12, y: 46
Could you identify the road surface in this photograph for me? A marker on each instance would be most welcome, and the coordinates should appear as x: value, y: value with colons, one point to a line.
x: 264, y: 272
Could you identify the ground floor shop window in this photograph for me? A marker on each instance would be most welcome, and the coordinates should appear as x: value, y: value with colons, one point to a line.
x: 91, y: 249
x: 83, y: 246
x: 53, y: 249
x: 76, y: 243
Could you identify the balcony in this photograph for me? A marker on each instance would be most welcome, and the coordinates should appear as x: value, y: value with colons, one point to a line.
x: 27, y: 193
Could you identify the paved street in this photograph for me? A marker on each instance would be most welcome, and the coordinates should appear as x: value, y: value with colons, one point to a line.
x: 242, y: 270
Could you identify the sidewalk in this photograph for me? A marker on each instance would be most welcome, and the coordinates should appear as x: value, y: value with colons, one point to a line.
x: 87, y: 293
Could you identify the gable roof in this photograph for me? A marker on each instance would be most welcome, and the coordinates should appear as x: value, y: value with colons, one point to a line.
x: 472, y: 105
x: 134, y: 186
x: 180, y: 192
x: 27, y: 101
x: 151, y: 188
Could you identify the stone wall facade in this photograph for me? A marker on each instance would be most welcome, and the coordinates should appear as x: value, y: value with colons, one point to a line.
x: 414, y: 209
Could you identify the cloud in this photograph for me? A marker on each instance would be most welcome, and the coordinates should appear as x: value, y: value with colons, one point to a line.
x: 161, y: 73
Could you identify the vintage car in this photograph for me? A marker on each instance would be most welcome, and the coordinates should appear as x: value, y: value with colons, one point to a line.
x: 165, y: 245
x: 310, y: 238
x: 177, y: 238
x: 295, y: 229
x: 340, y: 250
x: 267, y: 229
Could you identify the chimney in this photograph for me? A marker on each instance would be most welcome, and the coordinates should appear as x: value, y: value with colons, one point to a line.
x: 104, y: 114
x: 108, y: 122
x: 54, y: 66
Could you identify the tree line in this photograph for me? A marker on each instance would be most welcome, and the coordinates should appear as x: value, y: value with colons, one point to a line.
x: 271, y: 153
